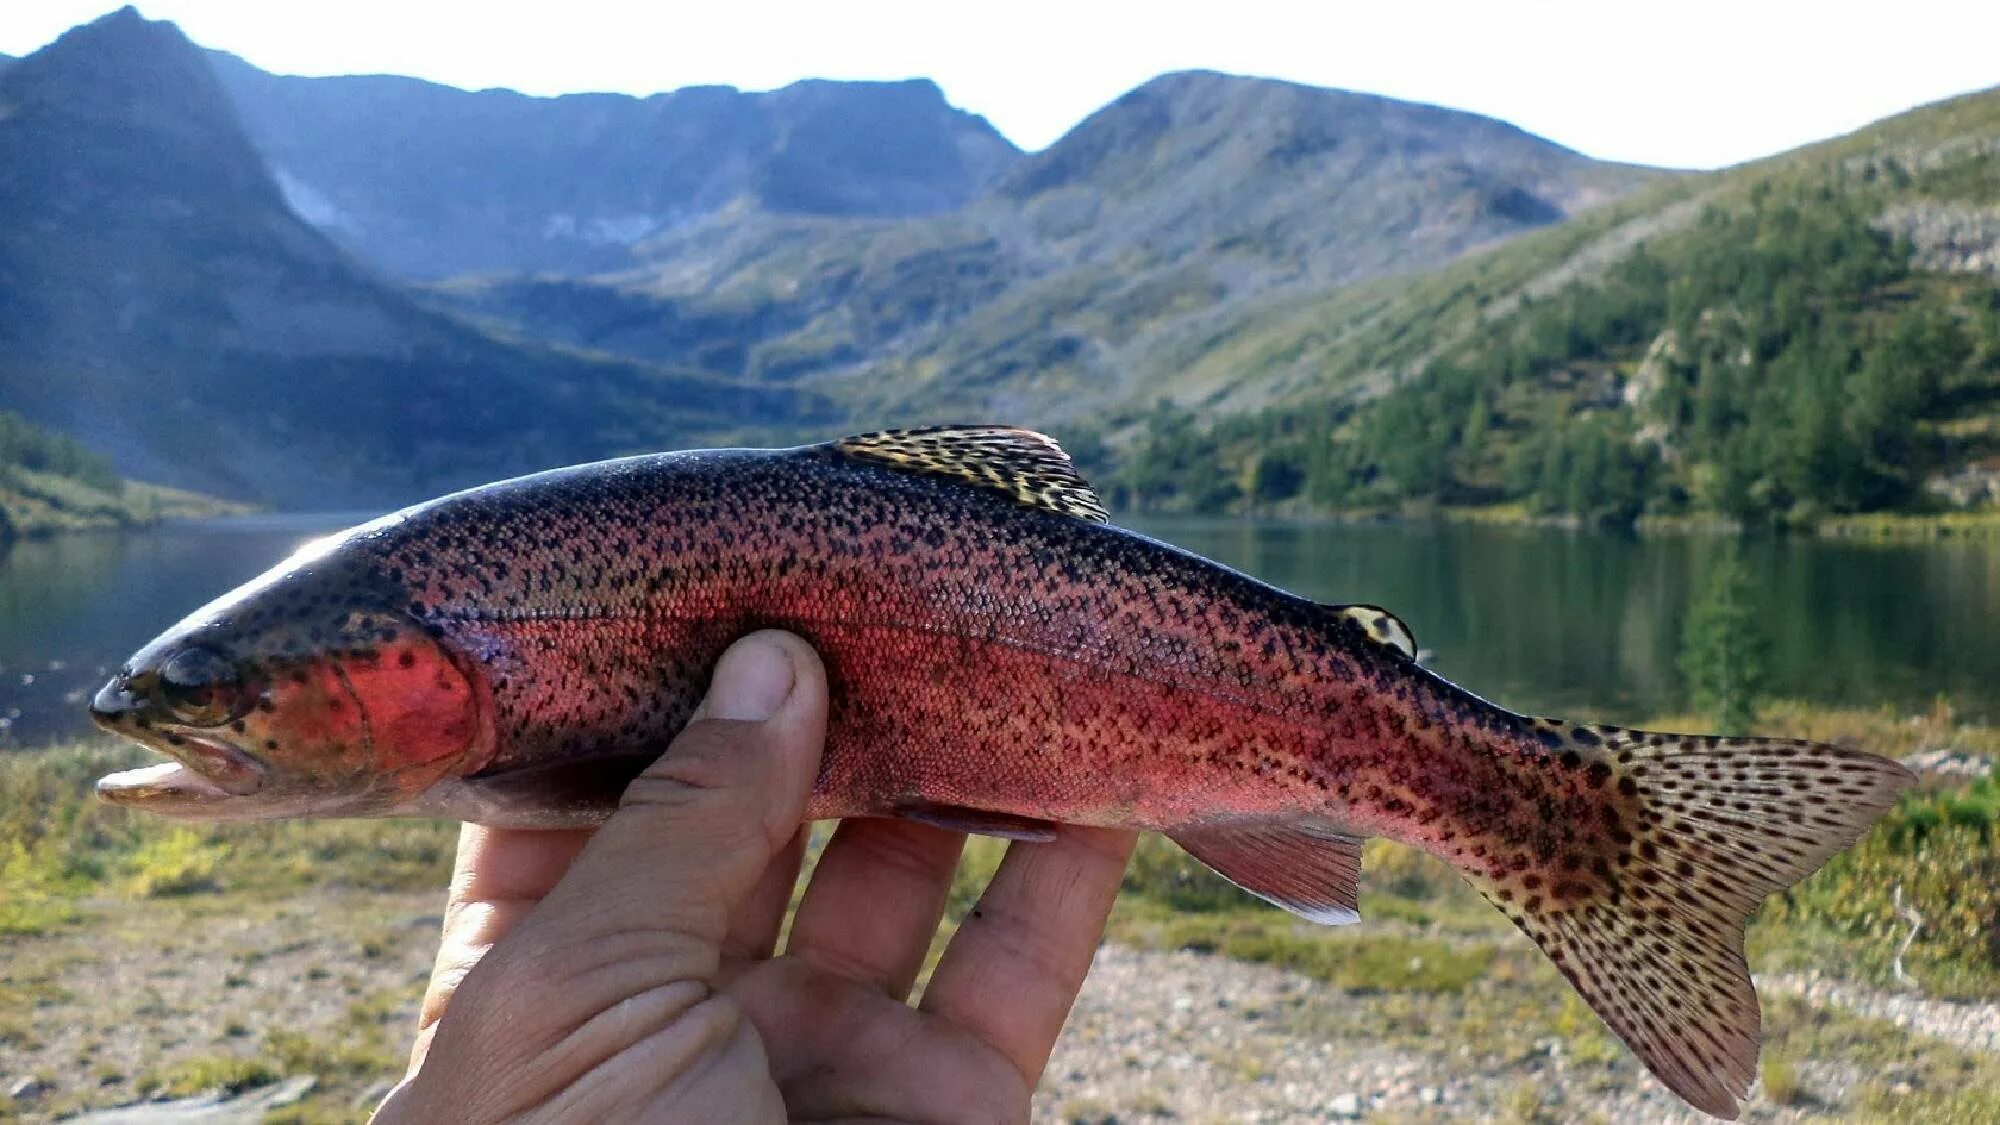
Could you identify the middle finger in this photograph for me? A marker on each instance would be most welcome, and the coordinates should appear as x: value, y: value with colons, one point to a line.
x: 875, y: 900
x: 498, y: 877
x: 753, y: 931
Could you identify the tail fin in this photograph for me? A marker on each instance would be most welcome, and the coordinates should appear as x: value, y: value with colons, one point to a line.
x: 1695, y: 833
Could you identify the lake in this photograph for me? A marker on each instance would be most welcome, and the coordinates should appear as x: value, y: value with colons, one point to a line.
x: 1565, y: 623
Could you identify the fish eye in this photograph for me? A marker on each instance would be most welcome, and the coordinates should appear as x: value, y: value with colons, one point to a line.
x: 200, y: 688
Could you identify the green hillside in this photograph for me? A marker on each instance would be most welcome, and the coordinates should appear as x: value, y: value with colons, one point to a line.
x: 1811, y: 335
x: 51, y: 483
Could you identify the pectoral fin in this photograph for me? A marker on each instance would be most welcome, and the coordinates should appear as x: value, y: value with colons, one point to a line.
x: 979, y: 822
x: 575, y: 793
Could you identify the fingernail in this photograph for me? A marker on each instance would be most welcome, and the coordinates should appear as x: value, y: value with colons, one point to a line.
x: 751, y: 681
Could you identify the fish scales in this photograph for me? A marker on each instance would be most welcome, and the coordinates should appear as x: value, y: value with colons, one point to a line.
x: 1000, y: 659
x: 936, y: 609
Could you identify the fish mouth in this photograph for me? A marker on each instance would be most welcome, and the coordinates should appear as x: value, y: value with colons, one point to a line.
x: 205, y: 771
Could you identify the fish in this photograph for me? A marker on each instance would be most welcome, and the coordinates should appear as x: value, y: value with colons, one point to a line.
x: 1001, y: 660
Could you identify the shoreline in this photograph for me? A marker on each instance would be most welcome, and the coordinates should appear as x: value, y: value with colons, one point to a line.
x: 36, y: 505
x: 1890, y: 527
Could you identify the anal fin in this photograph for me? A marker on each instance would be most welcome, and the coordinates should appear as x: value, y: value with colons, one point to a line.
x: 979, y: 822
x: 1297, y: 863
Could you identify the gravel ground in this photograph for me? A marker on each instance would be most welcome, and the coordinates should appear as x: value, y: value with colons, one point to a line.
x: 1155, y: 1036
x: 1190, y: 1037
x: 150, y: 985
x: 1975, y: 1027
x: 1200, y: 1038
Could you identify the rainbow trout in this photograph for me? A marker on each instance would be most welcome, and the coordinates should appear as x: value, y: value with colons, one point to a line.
x: 1002, y: 660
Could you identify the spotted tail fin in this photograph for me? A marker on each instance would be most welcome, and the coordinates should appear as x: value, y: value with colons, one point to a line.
x: 1694, y: 833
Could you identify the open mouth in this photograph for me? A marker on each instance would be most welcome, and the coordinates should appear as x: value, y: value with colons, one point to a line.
x: 207, y: 770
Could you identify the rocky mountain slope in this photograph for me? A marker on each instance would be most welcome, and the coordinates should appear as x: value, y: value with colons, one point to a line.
x: 160, y: 302
x: 1093, y: 272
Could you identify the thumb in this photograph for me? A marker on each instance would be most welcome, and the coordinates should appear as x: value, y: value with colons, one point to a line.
x: 698, y: 827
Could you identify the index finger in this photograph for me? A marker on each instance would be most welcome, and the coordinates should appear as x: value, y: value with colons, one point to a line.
x: 511, y: 864
x: 498, y: 877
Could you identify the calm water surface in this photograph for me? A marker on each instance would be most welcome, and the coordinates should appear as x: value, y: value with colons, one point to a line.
x: 1557, y: 622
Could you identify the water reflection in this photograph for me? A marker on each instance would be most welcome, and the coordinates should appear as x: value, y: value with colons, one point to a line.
x: 1575, y: 623
x: 74, y: 606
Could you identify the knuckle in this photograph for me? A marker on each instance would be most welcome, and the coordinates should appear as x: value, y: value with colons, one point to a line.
x: 711, y: 754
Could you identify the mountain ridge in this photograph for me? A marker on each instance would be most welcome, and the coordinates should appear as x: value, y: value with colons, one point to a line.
x: 160, y: 302
x: 1075, y: 281
x: 430, y: 181
x: 1069, y: 287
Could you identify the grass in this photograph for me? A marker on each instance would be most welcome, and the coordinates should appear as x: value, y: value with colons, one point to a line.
x: 368, y: 1045
x: 1895, y: 1076
x: 1353, y: 962
x: 1778, y: 1074
x: 1979, y: 523
x: 210, y: 1074
x: 64, y: 846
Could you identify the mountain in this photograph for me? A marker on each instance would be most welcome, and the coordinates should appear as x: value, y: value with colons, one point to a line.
x: 159, y: 300
x: 1093, y: 274
x: 427, y: 181
x: 1328, y: 184
x: 199, y: 274
x: 1809, y: 336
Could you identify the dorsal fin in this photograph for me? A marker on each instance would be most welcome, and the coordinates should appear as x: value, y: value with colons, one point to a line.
x: 1381, y: 626
x: 1022, y: 464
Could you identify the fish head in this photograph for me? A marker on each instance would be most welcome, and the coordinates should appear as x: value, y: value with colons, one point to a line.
x: 308, y: 692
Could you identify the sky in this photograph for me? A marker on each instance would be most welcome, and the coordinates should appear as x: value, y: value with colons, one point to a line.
x: 1690, y: 84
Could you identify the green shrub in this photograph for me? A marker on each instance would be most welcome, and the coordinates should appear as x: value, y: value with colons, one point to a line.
x: 33, y: 901
x: 1938, y: 849
x: 181, y: 862
x: 1780, y: 1076
x: 1357, y: 962
x: 226, y: 1074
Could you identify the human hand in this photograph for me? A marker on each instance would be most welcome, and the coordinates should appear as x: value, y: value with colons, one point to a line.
x: 629, y: 973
